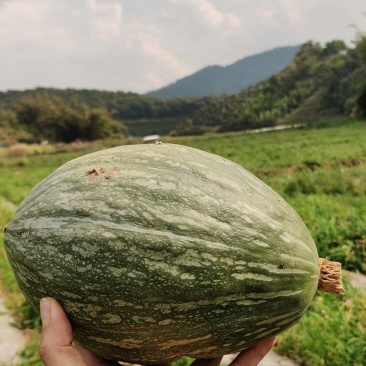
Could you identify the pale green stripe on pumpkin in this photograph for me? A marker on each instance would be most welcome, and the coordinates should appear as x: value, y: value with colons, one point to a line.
x: 59, y: 222
x: 87, y: 250
x: 203, y: 192
x: 293, y: 259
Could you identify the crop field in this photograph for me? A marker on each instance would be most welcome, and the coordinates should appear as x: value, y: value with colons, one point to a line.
x: 320, y: 171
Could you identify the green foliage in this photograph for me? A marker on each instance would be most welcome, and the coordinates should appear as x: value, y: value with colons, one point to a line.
x: 10, y: 129
x: 338, y: 177
x: 264, y: 104
x: 20, y: 175
x: 188, y: 129
x: 27, y: 317
x: 361, y: 46
x: 337, y: 224
x: 334, y: 47
x: 30, y: 353
x: 271, y: 153
x: 48, y: 117
x: 361, y: 100
x: 184, y: 361
x: 361, y: 95
x: 322, y: 80
x: 125, y: 107
x: 7, y: 118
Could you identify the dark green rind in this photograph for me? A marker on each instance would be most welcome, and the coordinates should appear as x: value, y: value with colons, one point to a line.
x: 158, y: 251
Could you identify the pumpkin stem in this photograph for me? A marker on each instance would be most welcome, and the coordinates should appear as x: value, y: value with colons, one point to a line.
x: 330, y: 277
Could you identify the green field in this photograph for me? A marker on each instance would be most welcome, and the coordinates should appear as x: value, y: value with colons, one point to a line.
x: 320, y: 171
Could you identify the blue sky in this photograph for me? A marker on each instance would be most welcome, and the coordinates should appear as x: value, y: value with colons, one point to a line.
x: 141, y: 45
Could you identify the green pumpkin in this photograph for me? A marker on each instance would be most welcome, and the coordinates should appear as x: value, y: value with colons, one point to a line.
x: 160, y: 251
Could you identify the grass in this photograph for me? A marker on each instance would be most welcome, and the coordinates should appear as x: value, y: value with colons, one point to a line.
x: 21, y: 150
x: 7, y: 279
x: 337, y: 224
x: 20, y: 175
x: 332, y: 332
x: 271, y: 151
x: 331, y: 202
x: 321, y: 172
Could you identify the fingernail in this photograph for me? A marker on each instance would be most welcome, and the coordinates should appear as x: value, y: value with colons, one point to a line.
x: 45, y: 309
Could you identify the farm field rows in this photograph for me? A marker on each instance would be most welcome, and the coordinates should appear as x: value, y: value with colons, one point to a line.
x: 320, y: 171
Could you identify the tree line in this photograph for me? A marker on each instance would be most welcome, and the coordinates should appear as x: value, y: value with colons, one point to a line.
x: 69, y: 114
x: 329, y: 80
x: 122, y: 105
x: 321, y: 80
x: 47, y: 117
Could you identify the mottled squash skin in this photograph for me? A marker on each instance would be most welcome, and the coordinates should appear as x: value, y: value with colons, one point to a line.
x: 159, y: 251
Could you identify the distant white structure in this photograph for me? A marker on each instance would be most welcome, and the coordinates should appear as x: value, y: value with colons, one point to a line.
x: 151, y: 138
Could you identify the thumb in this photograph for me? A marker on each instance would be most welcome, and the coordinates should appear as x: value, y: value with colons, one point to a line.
x: 253, y: 355
x: 56, y: 338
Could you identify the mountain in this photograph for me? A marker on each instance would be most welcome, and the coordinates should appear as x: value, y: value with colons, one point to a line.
x: 321, y: 81
x: 217, y: 80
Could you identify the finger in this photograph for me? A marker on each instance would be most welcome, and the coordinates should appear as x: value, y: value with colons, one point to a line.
x: 91, y: 358
x: 56, y: 337
x: 207, y: 361
x: 253, y: 355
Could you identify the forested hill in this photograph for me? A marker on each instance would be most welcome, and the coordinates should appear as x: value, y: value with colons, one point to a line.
x: 20, y: 110
x: 319, y: 82
x: 217, y: 80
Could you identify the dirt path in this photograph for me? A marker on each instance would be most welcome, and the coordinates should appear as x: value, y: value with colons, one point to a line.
x: 271, y: 359
x: 357, y: 280
x: 12, y: 340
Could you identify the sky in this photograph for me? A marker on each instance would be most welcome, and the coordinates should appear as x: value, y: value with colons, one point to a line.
x: 141, y: 45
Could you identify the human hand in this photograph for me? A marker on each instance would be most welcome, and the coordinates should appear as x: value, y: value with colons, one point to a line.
x: 249, y: 357
x: 56, y: 348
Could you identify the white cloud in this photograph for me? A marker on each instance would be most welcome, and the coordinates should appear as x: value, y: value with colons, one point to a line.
x: 56, y: 25
x: 141, y: 45
x: 210, y: 15
x: 22, y: 21
x: 279, y: 15
x: 106, y: 18
x: 266, y: 17
x: 47, y: 42
x: 232, y: 20
x: 292, y: 12
x: 147, y: 41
